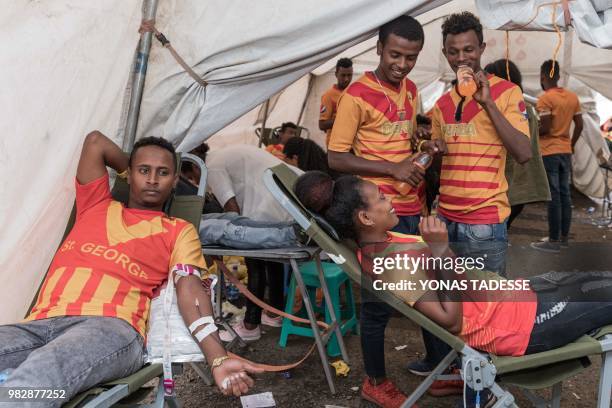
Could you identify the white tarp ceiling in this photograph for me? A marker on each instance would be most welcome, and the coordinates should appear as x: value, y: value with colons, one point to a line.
x: 66, y: 66
x: 583, y: 67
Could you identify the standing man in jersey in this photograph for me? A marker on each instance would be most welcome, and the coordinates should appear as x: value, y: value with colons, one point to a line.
x: 329, y: 100
x: 557, y: 108
x: 478, y: 131
x: 371, y: 138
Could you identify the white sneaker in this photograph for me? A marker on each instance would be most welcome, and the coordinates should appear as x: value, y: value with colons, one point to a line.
x: 271, y: 321
x: 243, y: 332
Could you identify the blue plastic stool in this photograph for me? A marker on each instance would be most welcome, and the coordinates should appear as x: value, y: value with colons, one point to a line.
x: 335, y: 279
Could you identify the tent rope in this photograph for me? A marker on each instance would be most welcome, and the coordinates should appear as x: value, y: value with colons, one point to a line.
x: 567, y: 16
x: 508, y: 55
x: 148, y: 26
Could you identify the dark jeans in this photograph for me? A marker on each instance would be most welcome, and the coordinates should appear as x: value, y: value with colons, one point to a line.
x: 567, y: 312
x: 375, y: 315
x: 262, y: 273
x: 558, y: 169
x: 489, y: 241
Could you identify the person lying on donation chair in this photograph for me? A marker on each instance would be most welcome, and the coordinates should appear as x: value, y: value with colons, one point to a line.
x: 88, y: 323
x: 537, y: 321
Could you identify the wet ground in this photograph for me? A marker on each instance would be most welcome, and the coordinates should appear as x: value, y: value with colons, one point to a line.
x: 307, y: 386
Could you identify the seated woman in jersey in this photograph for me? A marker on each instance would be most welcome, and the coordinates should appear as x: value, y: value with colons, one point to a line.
x: 574, y: 304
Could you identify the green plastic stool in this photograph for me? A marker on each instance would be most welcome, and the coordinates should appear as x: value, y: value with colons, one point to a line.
x: 335, y: 278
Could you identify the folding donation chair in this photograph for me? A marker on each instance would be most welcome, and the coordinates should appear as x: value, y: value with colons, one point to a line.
x: 482, y: 370
x: 129, y: 391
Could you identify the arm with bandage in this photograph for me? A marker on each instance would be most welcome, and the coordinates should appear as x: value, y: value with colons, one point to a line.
x: 196, y: 309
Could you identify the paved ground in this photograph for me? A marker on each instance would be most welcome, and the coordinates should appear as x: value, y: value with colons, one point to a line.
x: 307, y: 387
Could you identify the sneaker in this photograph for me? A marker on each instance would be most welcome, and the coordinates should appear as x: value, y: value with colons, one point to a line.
x: 421, y: 368
x: 271, y: 321
x: 243, y: 332
x: 547, y: 246
x: 385, y: 395
x: 442, y: 388
x: 564, y: 242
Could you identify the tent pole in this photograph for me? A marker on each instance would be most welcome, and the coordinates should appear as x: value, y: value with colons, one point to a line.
x: 149, y: 9
x: 310, y: 84
x: 567, y: 57
x: 263, y: 122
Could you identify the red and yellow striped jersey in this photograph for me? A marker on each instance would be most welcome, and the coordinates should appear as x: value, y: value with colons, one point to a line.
x: 114, y: 259
x: 472, y: 181
x: 375, y: 121
x: 329, y: 107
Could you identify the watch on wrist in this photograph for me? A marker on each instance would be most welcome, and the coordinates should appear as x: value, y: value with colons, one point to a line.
x: 217, y: 362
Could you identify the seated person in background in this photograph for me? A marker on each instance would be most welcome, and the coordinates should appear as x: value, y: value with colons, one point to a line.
x: 287, y: 131
x: 88, y: 323
x: 306, y: 155
x: 540, y: 321
x: 235, y: 177
x: 527, y: 183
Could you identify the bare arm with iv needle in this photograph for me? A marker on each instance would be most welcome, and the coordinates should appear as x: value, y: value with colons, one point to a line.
x: 196, y: 309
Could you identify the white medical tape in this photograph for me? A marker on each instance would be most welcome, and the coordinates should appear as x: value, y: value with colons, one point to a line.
x: 181, y: 270
x: 208, y: 330
x: 201, y: 321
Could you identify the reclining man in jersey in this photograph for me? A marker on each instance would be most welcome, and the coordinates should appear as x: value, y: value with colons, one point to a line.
x: 88, y: 323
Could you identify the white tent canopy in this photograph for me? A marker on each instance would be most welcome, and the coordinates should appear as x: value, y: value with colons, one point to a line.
x: 584, y: 69
x: 66, y: 66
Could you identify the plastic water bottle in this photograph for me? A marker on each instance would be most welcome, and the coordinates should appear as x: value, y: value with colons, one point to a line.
x: 4, y: 375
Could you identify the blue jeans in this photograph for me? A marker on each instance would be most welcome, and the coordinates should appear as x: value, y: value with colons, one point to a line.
x: 375, y: 315
x: 487, y: 241
x: 233, y: 230
x: 558, y: 169
x: 72, y: 353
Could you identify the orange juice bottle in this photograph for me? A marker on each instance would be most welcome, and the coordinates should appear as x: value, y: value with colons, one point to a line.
x: 422, y: 161
x: 466, y: 86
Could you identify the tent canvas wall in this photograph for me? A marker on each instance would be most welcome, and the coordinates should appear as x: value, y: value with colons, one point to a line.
x: 66, y: 68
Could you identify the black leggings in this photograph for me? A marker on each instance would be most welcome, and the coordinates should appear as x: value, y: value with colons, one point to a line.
x: 570, y: 310
x: 262, y: 274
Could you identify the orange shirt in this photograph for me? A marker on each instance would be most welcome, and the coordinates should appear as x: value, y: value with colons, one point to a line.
x: 114, y: 259
x: 503, y: 325
x: 329, y: 107
x: 375, y: 121
x: 499, y: 322
x: 562, y: 105
x: 276, y: 150
x: 472, y: 181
